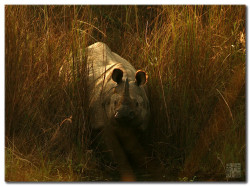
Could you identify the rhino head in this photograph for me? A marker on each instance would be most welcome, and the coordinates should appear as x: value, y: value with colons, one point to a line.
x: 128, y: 104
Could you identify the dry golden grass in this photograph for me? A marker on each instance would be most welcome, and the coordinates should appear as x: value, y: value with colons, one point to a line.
x: 189, y: 52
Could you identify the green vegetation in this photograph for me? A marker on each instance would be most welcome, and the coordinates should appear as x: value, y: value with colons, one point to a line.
x: 194, y: 56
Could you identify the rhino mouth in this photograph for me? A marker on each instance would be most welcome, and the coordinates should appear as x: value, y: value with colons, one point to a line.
x: 121, y: 117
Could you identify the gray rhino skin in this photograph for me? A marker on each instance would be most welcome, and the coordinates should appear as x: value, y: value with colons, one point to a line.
x: 119, y: 106
x: 118, y: 92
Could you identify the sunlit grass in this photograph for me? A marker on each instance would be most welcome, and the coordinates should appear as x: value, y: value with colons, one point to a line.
x: 189, y: 52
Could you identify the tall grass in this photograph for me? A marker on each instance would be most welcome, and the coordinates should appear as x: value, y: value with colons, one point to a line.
x: 189, y: 52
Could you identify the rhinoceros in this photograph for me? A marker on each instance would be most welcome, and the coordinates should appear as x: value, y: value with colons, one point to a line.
x: 119, y: 107
x: 118, y: 95
x: 118, y: 103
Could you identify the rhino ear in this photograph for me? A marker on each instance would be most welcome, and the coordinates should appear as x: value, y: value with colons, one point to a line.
x: 117, y: 75
x: 140, y: 77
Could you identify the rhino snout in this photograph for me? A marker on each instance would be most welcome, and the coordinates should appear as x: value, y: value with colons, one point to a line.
x: 124, y: 115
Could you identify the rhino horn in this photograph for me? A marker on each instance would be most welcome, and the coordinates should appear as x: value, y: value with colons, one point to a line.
x: 126, y: 88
